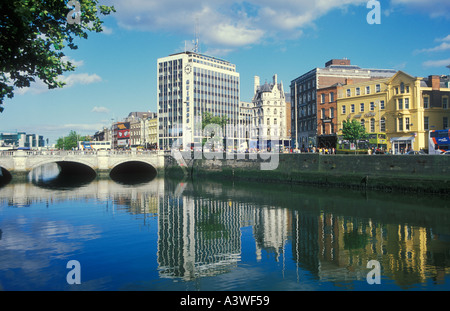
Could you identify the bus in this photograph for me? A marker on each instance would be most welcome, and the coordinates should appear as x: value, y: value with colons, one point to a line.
x: 375, y: 141
x: 438, y: 141
x: 94, y: 145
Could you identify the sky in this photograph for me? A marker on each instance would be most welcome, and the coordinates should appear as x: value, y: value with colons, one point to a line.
x: 117, y: 69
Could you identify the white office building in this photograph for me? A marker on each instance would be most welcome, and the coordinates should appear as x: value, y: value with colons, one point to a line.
x: 190, y: 84
x: 269, y: 114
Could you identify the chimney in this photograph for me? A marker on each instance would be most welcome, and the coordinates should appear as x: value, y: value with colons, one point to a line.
x: 256, y: 85
x: 339, y: 62
x: 435, y: 82
x: 275, y: 79
x: 348, y: 81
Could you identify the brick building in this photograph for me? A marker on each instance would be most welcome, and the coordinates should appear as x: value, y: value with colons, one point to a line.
x: 304, y: 120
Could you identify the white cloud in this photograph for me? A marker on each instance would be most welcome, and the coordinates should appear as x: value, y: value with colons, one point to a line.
x: 437, y: 63
x: 100, y: 109
x: 76, y: 63
x: 80, y: 78
x: 107, y: 30
x: 445, y: 39
x: 444, y: 46
x: 227, y: 24
x: 39, y: 86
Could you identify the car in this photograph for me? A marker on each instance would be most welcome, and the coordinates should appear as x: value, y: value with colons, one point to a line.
x: 416, y: 152
x: 447, y: 152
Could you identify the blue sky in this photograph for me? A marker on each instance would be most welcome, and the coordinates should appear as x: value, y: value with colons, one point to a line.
x: 116, y: 71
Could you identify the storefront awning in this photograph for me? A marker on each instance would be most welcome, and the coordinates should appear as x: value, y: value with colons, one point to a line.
x: 398, y: 139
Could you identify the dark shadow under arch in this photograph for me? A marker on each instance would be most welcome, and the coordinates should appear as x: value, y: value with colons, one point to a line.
x: 5, y: 177
x: 133, y: 173
x: 71, y: 175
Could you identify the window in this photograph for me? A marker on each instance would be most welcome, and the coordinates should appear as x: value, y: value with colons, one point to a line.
x: 367, y: 89
x: 349, y: 93
x: 343, y: 109
x: 445, y: 102
x: 322, y: 98
x: 425, y: 123
x: 372, y: 106
x: 426, y: 102
x: 396, y: 90
x: 361, y: 107
x: 352, y: 108
x: 406, y: 103
x: 357, y: 91
x: 268, y: 121
x: 407, y: 124
x: 382, y: 105
x: 363, y: 123
x: 372, y: 125
x: 400, y: 124
x: 331, y: 113
x: 322, y: 113
x: 331, y: 97
x: 377, y: 88
x: 445, y: 123
x: 383, y: 125
x: 402, y: 87
x: 400, y: 103
x: 407, y: 89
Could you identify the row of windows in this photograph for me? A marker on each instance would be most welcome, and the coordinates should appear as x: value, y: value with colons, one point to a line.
x: 330, y: 98
x: 444, y: 102
x: 402, y: 124
x: 259, y: 121
x: 372, y: 107
x: 401, y: 103
x: 367, y: 89
x: 306, y: 85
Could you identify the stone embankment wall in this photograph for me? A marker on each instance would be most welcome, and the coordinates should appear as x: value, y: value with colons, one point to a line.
x: 416, y: 173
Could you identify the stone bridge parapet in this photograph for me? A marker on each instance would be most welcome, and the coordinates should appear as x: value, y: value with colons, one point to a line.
x: 22, y: 161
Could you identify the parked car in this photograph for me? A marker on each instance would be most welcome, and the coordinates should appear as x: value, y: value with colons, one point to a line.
x: 447, y: 152
x: 416, y: 152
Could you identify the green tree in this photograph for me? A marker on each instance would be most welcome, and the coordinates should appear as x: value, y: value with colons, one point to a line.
x: 70, y: 141
x: 207, y: 119
x: 353, y: 131
x: 33, y: 34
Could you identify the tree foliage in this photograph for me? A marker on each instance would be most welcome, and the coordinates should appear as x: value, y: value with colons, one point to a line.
x: 219, y: 123
x: 71, y: 141
x: 208, y: 118
x: 33, y: 34
x: 353, y: 131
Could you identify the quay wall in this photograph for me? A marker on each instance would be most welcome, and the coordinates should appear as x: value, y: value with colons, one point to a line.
x: 407, y: 173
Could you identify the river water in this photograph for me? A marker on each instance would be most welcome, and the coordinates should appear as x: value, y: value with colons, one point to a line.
x: 201, y: 235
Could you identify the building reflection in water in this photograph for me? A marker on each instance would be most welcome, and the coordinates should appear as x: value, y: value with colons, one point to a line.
x: 331, y: 236
x: 200, y: 235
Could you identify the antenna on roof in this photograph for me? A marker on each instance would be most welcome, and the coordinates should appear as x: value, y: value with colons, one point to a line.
x: 196, y: 50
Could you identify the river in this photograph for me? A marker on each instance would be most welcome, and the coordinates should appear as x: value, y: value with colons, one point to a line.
x: 178, y: 235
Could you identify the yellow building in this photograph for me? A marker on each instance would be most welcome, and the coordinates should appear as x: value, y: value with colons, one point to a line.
x: 403, y: 107
x: 153, y: 132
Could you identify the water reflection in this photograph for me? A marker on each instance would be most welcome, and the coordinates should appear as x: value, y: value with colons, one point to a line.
x: 50, y: 176
x: 235, y: 235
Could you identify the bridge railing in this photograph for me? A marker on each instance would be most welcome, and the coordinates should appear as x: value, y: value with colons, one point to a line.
x: 5, y: 154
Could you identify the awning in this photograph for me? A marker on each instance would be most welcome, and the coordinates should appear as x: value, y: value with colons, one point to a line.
x: 409, y: 138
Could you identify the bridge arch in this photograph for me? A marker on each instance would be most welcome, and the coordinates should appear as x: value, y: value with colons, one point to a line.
x: 58, y: 161
x: 5, y: 176
x: 133, y: 171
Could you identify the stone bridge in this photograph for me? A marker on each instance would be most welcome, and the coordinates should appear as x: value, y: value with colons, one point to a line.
x: 101, y: 162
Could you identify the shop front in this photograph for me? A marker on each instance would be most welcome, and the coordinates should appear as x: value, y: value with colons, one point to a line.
x: 401, y: 145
